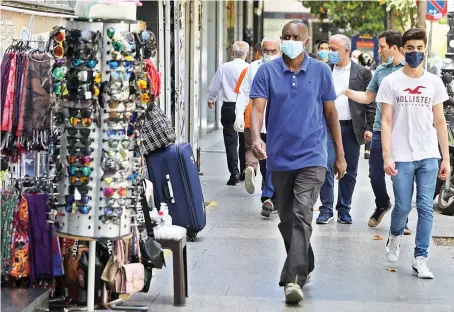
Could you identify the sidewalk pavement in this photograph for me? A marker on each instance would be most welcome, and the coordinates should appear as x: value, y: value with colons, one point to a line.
x: 235, y: 263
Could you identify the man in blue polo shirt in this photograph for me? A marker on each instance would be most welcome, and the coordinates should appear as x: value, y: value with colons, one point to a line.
x: 299, y: 95
x: 389, y: 45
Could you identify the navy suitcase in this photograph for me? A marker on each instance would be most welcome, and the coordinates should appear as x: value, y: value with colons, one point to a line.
x: 176, y: 182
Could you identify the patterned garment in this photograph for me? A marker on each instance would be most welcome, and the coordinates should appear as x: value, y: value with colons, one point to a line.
x: 7, y: 114
x: 20, y: 265
x: 9, y: 202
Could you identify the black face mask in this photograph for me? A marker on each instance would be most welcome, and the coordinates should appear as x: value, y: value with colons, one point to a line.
x: 414, y: 59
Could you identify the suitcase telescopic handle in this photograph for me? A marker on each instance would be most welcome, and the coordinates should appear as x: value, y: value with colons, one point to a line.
x: 168, y: 190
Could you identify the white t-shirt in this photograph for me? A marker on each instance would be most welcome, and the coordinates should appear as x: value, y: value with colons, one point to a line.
x: 414, y: 136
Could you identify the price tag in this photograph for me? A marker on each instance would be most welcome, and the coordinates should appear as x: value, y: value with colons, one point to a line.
x: 88, y: 95
x: 77, y: 195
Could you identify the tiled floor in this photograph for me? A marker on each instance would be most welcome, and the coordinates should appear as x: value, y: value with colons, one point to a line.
x: 236, y: 261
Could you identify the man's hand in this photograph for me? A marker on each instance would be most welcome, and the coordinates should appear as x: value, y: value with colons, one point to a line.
x: 259, y: 149
x: 390, y: 166
x: 239, y: 124
x: 367, y: 136
x: 339, y: 92
x: 340, y: 167
x: 445, y: 170
x: 211, y: 105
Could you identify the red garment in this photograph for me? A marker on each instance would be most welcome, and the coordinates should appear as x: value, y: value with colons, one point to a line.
x: 154, y: 77
x: 7, y: 117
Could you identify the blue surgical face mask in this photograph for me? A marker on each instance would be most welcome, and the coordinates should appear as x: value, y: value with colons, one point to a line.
x: 390, y: 60
x: 333, y: 57
x: 292, y: 48
x: 323, y: 54
x: 414, y: 59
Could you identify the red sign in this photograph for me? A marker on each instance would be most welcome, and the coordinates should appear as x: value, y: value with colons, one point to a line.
x: 365, y: 44
x: 436, y: 9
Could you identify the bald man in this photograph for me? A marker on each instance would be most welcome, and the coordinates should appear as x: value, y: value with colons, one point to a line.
x: 222, y: 86
x: 298, y: 92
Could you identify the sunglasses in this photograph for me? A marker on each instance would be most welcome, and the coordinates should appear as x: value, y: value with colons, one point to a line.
x: 116, y: 64
x: 113, y: 180
x: 77, y: 112
x: 79, y: 180
x: 110, y: 192
x: 70, y: 199
x: 112, y: 201
x: 114, y: 143
x: 82, y: 189
x: 114, y: 104
x: 83, y: 141
x: 83, y: 209
x: 86, y: 122
x: 117, y: 154
x: 85, y: 151
x: 76, y: 75
x: 59, y: 73
x: 121, y: 76
x: 79, y: 160
x: 90, y: 63
x: 79, y: 172
x: 106, y: 219
x: 115, y: 132
x: 83, y: 132
x: 84, y: 103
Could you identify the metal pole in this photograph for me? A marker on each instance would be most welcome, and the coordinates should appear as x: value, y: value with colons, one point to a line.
x: 429, y: 50
x: 91, y: 275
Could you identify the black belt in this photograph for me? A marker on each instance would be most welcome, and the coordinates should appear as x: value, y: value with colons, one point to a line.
x: 345, y: 122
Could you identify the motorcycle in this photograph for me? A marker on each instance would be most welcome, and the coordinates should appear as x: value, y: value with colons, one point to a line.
x: 445, y: 189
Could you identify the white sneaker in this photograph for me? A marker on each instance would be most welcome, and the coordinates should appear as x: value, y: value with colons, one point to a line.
x: 393, y: 248
x: 293, y: 293
x: 268, y: 208
x: 420, y: 268
x: 249, y: 180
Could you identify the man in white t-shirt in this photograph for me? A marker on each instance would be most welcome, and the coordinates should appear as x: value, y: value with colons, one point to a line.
x: 413, y: 128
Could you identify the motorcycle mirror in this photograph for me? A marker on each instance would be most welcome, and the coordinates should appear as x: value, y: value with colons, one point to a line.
x: 447, y: 78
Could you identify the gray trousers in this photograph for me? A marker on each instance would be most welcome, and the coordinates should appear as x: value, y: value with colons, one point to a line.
x: 296, y: 194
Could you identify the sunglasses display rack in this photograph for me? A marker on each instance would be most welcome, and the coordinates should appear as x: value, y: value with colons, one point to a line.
x: 101, y: 89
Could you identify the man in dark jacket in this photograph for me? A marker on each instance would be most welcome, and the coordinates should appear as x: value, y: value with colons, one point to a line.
x: 355, y: 120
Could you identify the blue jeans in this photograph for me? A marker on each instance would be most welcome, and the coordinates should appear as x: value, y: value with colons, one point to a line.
x: 403, y: 184
x: 268, y: 189
x: 377, y: 172
x: 348, y: 182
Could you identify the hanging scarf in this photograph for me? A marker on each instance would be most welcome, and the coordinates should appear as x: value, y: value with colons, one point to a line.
x: 7, y: 117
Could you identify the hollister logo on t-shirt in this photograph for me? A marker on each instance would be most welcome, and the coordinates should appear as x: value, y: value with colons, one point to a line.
x: 414, y: 98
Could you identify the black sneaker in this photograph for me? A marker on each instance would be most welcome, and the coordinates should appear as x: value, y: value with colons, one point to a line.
x: 234, y: 180
x: 377, y: 216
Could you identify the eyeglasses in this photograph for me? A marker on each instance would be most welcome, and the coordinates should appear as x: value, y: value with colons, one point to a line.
x: 85, y: 151
x: 83, y: 209
x: 79, y: 172
x: 86, y: 122
x: 114, y: 143
x: 83, y: 141
x: 70, y: 199
x: 82, y: 189
x: 82, y: 131
x: 79, y: 180
x: 79, y: 160
x: 110, y: 192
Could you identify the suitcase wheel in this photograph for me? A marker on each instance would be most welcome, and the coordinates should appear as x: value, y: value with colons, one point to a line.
x: 192, y: 236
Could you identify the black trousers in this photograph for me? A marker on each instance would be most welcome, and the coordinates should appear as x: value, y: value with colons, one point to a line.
x: 231, y: 139
x: 296, y: 194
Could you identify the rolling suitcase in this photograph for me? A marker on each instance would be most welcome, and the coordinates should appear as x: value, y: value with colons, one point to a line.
x: 176, y: 182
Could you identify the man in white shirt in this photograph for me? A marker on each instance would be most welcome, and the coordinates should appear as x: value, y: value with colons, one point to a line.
x: 355, y: 56
x: 222, y: 86
x: 271, y: 49
x: 355, y: 119
x: 413, y: 130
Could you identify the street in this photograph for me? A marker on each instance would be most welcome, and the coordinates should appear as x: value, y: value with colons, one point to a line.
x: 235, y: 263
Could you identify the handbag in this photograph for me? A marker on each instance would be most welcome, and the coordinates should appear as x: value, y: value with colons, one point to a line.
x: 157, y: 131
x: 130, y: 277
x: 152, y: 253
x: 114, y: 264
